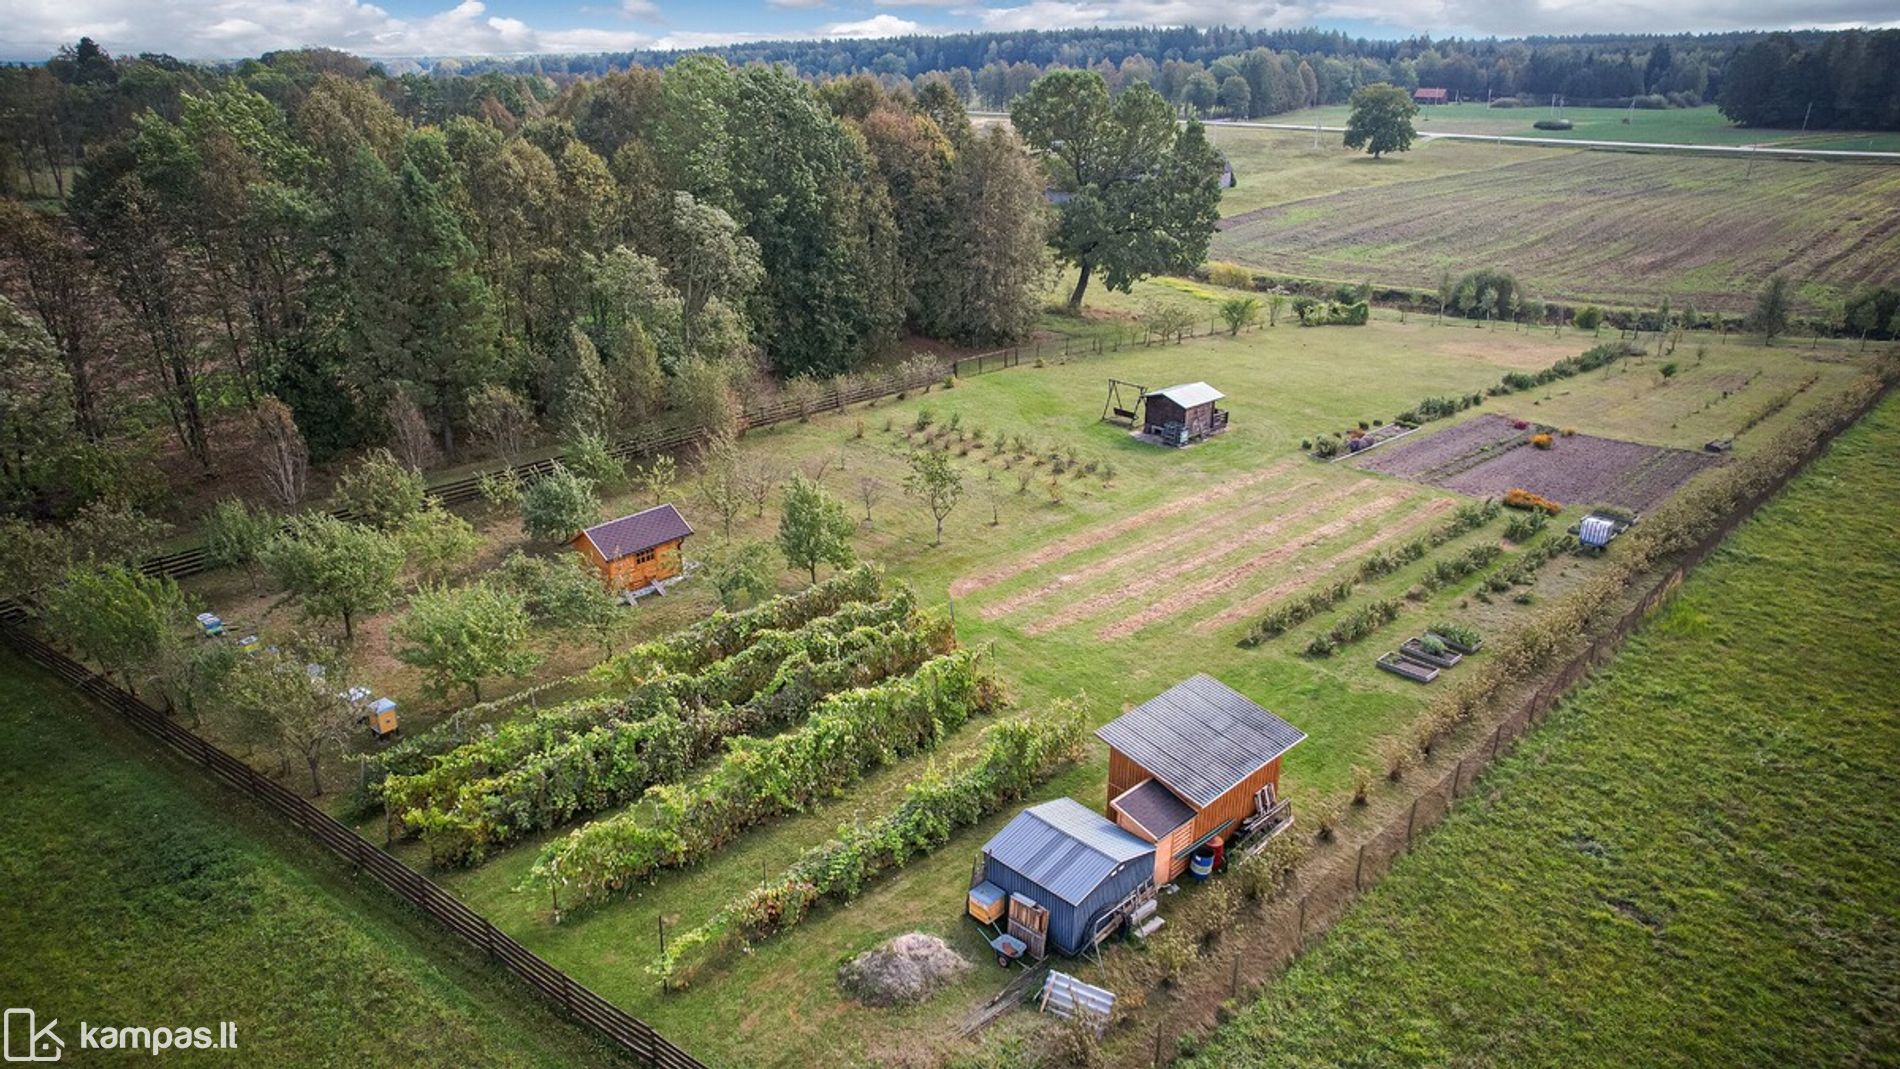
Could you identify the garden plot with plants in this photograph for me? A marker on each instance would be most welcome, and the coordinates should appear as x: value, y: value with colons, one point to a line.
x: 705, y: 823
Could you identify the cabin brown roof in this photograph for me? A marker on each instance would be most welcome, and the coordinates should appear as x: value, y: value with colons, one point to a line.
x: 643, y: 530
x: 1200, y: 738
x: 1430, y: 94
x: 1153, y: 806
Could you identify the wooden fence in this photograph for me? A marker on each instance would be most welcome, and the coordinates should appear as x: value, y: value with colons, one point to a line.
x: 629, y: 1033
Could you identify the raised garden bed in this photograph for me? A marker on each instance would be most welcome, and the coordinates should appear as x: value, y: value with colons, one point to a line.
x: 1453, y: 644
x: 1412, y: 670
x: 1415, y: 650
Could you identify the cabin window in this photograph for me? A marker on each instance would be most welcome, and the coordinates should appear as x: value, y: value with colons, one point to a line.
x: 644, y: 556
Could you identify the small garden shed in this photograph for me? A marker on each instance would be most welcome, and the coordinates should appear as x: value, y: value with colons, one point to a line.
x: 1182, y: 414
x: 1068, y: 860
x: 1198, y: 764
x: 638, y: 550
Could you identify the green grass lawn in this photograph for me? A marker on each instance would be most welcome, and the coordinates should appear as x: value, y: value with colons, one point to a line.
x: 1282, y: 384
x: 135, y: 895
x: 1686, y: 126
x: 1692, y: 863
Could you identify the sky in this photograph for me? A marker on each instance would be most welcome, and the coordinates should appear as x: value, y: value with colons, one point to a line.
x: 226, y: 29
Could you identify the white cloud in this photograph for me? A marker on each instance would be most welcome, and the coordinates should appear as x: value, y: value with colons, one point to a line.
x: 223, y: 29
x: 797, y: 5
x: 875, y: 26
x: 639, y: 9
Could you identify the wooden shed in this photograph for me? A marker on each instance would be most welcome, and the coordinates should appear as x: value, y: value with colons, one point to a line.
x: 1079, y: 875
x: 1431, y: 96
x: 1198, y: 764
x: 638, y: 550
x: 1182, y: 414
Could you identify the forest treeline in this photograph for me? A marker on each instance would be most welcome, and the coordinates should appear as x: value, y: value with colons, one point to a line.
x: 1850, y: 76
x: 302, y: 252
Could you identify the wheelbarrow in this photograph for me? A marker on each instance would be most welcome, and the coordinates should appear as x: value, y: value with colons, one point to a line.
x: 1008, y: 949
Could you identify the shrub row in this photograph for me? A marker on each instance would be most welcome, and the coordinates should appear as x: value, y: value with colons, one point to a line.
x: 717, y: 637
x: 847, y: 733
x: 725, y: 633
x: 1354, y: 626
x: 1015, y: 757
x: 1449, y: 570
x: 1526, y: 564
x: 616, y: 762
x: 1525, y: 526
x: 1590, y: 359
x: 732, y: 680
x: 1283, y: 618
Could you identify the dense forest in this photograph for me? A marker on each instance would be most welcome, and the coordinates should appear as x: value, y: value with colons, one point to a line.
x: 1852, y: 77
x: 301, y: 249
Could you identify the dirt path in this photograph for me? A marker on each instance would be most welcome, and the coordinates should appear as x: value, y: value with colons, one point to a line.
x: 1304, y: 580
x: 1095, y: 536
x: 1192, y: 596
x: 1228, y: 521
x: 1152, y: 580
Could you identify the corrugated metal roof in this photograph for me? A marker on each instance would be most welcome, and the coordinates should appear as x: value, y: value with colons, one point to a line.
x: 1189, y: 394
x: 642, y: 530
x: 1200, y: 737
x: 1153, y: 806
x: 1065, y: 848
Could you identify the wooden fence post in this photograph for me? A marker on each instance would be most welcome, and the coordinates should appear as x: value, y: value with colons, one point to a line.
x: 1300, y: 939
x: 1359, y: 867
x: 1410, y: 818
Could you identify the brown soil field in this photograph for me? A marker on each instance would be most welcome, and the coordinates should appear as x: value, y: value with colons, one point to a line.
x: 1617, y: 228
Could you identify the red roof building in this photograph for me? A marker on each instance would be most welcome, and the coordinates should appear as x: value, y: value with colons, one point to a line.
x: 1431, y: 96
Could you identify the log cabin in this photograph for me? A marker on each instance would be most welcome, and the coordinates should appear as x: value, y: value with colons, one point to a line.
x: 1197, y: 766
x: 636, y: 551
x: 1182, y: 414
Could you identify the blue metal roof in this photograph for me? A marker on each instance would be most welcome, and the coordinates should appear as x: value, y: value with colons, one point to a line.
x: 1201, y: 738
x: 1065, y: 848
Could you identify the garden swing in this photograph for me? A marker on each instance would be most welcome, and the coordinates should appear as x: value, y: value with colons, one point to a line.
x: 1116, y: 409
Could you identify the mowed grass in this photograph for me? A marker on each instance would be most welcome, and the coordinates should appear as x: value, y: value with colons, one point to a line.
x: 1682, y: 126
x: 132, y: 895
x: 1615, y: 228
x: 779, y: 1004
x: 1693, y: 862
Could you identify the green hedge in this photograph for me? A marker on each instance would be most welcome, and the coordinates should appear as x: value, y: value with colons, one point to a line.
x: 734, y: 679
x: 616, y: 762
x: 1015, y: 757
x: 679, y: 824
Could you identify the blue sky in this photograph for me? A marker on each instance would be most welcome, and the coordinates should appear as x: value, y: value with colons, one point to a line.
x: 214, y: 29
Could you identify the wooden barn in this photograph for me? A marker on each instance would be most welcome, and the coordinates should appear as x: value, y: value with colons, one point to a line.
x: 638, y: 550
x: 1182, y: 414
x: 1197, y: 765
x: 1066, y: 878
x: 1431, y: 96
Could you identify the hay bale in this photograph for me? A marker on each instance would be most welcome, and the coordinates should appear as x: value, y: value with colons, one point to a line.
x: 907, y: 969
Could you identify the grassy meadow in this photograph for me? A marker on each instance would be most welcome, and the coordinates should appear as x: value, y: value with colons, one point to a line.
x: 1691, y: 863
x: 138, y: 895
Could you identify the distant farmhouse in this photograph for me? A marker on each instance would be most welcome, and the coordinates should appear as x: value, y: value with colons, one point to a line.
x: 1431, y: 96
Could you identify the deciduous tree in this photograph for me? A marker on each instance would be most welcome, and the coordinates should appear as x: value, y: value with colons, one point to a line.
x: 813, y: 528
x: 1381, y: 119
x: 461, y: 636
x: 937, y: 482
x: 334, y: 568
x: 558, y: 506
